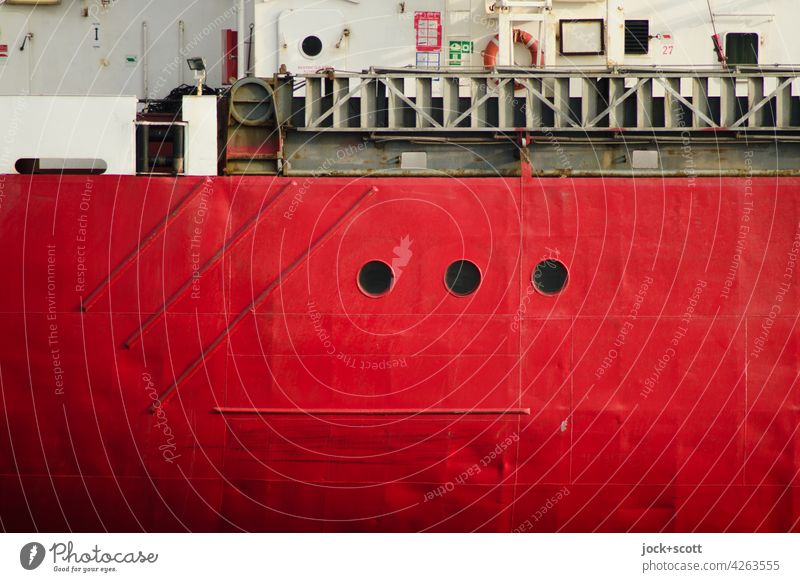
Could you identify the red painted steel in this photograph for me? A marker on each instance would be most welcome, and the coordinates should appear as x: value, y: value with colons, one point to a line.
x: 141, y: 247
x: 661, y: 383
x: 230, y: 62
x: 218, y: 256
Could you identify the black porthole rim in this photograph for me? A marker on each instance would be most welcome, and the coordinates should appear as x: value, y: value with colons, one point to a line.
x: 383, y: 293
x: 471, y: 292
x: 552, y: 293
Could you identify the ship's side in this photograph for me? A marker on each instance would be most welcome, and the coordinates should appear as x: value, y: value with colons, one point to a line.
x: 466, y: 299
x: 651, y: 394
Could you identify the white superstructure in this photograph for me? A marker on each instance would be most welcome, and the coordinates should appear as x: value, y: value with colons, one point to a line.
x: 112, y: 47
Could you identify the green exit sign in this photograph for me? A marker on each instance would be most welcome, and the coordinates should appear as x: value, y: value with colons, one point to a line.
x: 458, y: 51
x: 461, y: 46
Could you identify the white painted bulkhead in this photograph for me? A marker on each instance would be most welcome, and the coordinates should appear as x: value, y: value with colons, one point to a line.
x: 102, y: 47
x: 99, y: 128
x: 111, y: 47
x: 359, y: 34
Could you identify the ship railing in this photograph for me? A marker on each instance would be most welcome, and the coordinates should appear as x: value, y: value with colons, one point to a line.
x: 665, y: 100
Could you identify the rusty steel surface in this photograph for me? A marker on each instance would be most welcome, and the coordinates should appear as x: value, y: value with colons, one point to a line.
x: 657, y: 391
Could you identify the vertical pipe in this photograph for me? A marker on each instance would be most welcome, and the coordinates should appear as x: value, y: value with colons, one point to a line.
x: 181, y: 50
x: 143, y: 144
x: 145, y: 49
x: 240, y: 42
x: 29, y: 39
x: 178, y: 148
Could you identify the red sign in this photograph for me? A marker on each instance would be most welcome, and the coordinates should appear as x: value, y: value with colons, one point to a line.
x: 230, y: 64
x: 429, y: 30
x: 3, y: 50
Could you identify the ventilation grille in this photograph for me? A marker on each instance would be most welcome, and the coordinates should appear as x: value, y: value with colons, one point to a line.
x: 637, y: 37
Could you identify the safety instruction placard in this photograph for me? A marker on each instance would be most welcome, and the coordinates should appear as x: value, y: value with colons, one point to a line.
x: 428, y: 26
x: 428, y: 60
x: 459, y: 51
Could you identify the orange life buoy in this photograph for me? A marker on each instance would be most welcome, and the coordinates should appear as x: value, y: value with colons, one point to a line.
x: 520, y: 36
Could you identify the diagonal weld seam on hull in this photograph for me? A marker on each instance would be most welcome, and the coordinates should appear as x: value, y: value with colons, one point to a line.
x: 212, y: 347
x: 233, y: 241
x: 371, y: 411
x: 143, y: 245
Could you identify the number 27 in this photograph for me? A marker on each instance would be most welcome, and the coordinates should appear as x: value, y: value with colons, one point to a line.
x: 667, y: 50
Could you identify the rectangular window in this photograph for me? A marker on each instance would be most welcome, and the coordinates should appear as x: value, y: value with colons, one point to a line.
x: 582, y: 37
x: 741, y: 48
x: 637, y: 37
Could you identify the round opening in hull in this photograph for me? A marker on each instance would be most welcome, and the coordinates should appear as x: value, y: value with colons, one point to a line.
x: 462, y: 278
x: 550, y: 277
x: 375, y: 278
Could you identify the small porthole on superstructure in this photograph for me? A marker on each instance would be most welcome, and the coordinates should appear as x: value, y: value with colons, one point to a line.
x: 462, y: 278
x: 375, y: 278
x: 311, y: 46
x: 550, y: 277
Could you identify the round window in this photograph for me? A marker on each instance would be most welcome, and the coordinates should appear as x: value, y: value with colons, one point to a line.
x: 462, y: 278
x: 550, y: 277
x: 375, y: 278
x: 311, y: 46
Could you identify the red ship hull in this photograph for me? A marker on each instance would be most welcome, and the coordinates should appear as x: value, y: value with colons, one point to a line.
x: 195, y: 354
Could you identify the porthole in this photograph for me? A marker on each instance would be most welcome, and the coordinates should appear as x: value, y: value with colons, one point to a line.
x: 550, y: 277
x: 375, y: 278
x: 311, y: 46
x: 462, y: 278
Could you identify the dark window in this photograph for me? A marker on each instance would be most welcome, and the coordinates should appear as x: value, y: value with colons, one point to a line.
x: 550, y: 277
x: 375, y: 278
x: 741, y: 48
x: 462, y: 278
x: 637, y: 37
x: 312, y: 46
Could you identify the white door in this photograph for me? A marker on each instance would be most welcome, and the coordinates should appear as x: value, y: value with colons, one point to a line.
x: 309, y: 40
